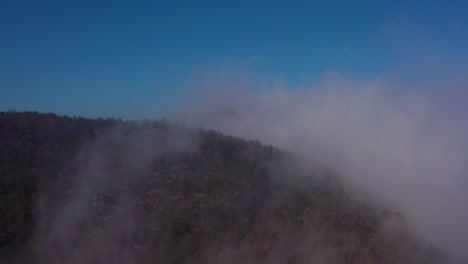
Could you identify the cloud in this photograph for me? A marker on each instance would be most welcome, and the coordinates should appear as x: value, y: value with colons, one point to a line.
x: 407, y: 143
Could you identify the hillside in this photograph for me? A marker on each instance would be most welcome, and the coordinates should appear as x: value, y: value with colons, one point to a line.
x: 76, y: 190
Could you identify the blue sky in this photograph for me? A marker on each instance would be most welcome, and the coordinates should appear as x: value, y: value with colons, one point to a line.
x: 131, y: 58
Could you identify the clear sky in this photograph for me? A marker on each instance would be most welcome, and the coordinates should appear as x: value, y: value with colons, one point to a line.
x: 124, y: 58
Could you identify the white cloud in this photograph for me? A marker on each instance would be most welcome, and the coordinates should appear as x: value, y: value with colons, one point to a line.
x: 404, y: 144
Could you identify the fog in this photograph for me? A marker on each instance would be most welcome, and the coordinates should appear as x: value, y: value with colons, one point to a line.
x: 406, y: 143
x: 92, y: 212
x: 396, y: 145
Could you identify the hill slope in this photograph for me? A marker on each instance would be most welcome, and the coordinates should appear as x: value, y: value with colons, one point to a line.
x: 75, y: 190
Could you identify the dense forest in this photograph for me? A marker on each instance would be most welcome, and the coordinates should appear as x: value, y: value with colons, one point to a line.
x: 77, y: 190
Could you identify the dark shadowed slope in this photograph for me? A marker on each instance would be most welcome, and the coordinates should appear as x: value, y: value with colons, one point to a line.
x: 76, y: 190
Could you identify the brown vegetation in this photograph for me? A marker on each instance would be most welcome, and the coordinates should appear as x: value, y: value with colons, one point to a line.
x: 74, y: 190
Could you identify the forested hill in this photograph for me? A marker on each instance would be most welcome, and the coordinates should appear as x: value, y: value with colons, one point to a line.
x: 76, y: 190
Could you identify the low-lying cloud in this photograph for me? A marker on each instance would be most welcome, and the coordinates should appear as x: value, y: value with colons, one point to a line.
x: 406, y: 143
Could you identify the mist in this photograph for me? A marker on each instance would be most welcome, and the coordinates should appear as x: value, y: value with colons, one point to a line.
x: 405, y: 143
x: 135, y: 192
x: 93, y: 211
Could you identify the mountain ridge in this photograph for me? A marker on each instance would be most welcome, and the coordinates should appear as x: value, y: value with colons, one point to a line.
x: 79, y: 190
